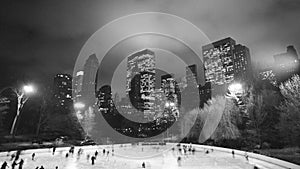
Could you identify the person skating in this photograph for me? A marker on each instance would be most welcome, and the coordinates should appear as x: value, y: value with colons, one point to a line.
x: 143, y: 165
x: 246, y: 156
x: 21, y: 163
x: 93, y: 160
x: 18, y: 154
x: 232, y: 152
x: 13, y: 155
x: 42, y: 167
x: 13, y: 165
x: 179, y: 161
x: 4, y: 165
x: 88, y: 157
x: 32, y: 156
x: 53, y: 150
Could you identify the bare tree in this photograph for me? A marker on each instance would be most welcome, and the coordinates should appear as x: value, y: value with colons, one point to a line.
x: 290, y: 111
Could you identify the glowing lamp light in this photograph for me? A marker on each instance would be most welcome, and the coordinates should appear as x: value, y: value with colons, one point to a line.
x: 235, y: 87
x: 28, y: 89
x: 172, y: 104
x: 167, y: 104
x: 79, y: 105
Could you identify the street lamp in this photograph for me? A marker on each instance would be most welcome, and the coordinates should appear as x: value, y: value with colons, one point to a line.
x: 22, y: 97
x: 79, y: 105
x: 235, y: 91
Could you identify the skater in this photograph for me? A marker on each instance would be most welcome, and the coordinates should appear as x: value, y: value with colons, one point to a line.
x: 53, y: 150
x: 88, y: 157
x: 56, y: 167
x: 107, y: 153
x: 103, y: 151
x: 32, y: 156
x: 4, y: 165
x: 246, y: 156
x: 193, y: 151
x: 96, y: 153
x: 143, y: 165
x: 21, y: 164
x: 232, y: 152
x: 93, y: 160
x: 13, y: 165
x: 12, y: 156
x: 18, y: 154
x: 179, y: 161
x: 67, y: 155
x: 42, y: 167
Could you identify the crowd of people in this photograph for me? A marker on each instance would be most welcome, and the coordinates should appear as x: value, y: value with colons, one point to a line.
x: 16, y: 161
x: 181, y: 152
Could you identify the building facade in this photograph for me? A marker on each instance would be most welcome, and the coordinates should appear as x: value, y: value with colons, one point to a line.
x: 63, y: 91
x: 286, y: 64
x: 140, y: 81
x: 88, y: 94
x: 226, y: 62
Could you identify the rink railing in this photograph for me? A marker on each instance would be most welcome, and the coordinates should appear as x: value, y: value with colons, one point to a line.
x: 262, y: 158
x: 258, y: 157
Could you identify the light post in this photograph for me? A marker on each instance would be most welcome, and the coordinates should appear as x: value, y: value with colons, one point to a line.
x: 22, y: 97
x: 235, y: 92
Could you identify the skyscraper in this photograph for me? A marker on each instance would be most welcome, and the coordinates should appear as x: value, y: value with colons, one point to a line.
x: 78, y: 79
x: 286, y: 64
x: 63, y: 91
x: 218, y: 61
x: 89, y: 80
x: 170, y: 88
x: 191, y: 75
x: 140, y: 84
x: 190, y: 96
x: 242, y: 63
x: 226, y: 62
x: 171, y: 91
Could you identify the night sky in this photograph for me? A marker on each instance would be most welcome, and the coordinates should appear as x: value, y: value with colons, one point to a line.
x: 39, y: 38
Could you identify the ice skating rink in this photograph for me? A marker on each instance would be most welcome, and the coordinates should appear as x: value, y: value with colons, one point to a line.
x: 132, y: 156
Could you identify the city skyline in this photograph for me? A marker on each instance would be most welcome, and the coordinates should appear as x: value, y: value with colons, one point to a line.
x: 39, y: 50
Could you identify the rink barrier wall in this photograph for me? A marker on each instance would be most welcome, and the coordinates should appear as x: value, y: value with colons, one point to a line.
x: 259, y: 157
x: 262, y: 158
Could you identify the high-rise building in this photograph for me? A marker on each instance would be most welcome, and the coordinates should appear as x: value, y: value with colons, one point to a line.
x: 63, y: 91
x: 171, y: 92
x: 105, y: 100
x: 286, y: 64
x: 226, y: 62
x: 78, y: 79
x: 140, y: 84
x: 88, y: 93
x: 170, y: 88
x: 191, y: 75
x: 242, y: 63
x: 205, y: 93
x: 190, y: 95
x: 218, y: 61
